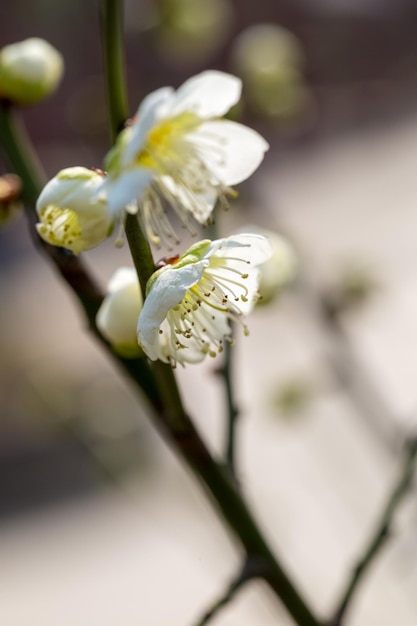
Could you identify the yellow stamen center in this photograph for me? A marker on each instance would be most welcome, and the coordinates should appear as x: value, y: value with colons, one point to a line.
x: 162, y: 141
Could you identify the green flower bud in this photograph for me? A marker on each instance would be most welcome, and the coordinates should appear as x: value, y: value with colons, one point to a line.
x: 29, y: 71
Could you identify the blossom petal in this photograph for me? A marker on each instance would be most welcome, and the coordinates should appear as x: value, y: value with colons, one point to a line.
x: 151, y: 103
x: 126, y: 188
x: 230, y: 150
x: 209, y: 94
x: 167, y: 291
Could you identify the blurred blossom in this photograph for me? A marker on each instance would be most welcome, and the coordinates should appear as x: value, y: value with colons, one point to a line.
x: 353, y: 288
x: 191, y: 30
x: 10, y: 189
x: 191, y: 300
x: 279, y: 270
x: 71, y: 214
x: 293, y: 396
x: 117, y: 317
x: 264, y: 48
x: 29, y: 71
x: 178, y: 150
x: 270, y: 60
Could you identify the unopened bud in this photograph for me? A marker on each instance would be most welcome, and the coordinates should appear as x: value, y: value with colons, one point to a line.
x: 117, y: 317
x: 30, y: 71
x: 71, y: 211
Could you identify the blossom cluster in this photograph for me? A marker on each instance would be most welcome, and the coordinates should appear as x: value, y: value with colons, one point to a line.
x: 176, y: 151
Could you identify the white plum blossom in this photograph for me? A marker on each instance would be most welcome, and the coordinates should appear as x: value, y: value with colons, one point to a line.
x: 178, y: 150
x: 71, y: 214
x: 190, y: 302
x: 117, y: 317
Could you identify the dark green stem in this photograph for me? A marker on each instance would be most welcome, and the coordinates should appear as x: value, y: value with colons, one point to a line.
x: 232, y: 409
x: 140, y: 250
x: 20, y: 154
x: 111, y: 14
x: 381, y: 534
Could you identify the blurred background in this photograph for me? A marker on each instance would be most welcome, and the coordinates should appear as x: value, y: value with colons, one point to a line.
x: 99, y: 521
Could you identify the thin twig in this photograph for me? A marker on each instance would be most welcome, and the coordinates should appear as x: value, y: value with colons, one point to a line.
x: 232, y: 410
x: 347, y: 368
x: 248, y: 571
x: 226, y: 373
x: 381, y: 534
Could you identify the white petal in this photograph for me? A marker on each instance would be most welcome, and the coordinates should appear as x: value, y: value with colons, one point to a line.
x: 166, y: 292
x: 152, y: 102
x: 147, y: 114
x: 209, y: 94
x: 242, y: 149
x: 125, y: 189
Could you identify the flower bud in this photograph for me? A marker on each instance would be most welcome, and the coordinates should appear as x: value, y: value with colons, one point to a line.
x: 10, y: 190
x: 117, y: 317
x: 72, y: 213
x: 30, y: 71
x: 279, y: 270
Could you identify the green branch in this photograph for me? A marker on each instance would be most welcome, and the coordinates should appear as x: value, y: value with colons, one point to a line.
x: 381, y: 534
x: 111, y: 16
x: 21, y: 156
